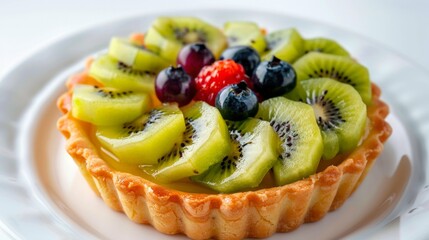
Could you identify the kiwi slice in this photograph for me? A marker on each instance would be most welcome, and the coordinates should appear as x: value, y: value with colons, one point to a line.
x: 340, y: 114
x: 287, y: 45
x: 167, y: 36
x: 245, y: 33
x: 116, y: 74
x: 204, y: 143
x: 340, y: 68
x: 255, y: 148
x: 135, y: 56
x: 107, y: 106
x: 324, y: 45
x: 300, y: 137
x: 146, y: 139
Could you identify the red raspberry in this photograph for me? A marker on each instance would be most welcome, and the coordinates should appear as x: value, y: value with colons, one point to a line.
x: 213, y: 78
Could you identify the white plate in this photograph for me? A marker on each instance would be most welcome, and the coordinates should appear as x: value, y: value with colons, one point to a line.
x: 43, y: 194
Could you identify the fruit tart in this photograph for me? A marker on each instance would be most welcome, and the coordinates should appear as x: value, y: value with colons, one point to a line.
x: 223, y: 133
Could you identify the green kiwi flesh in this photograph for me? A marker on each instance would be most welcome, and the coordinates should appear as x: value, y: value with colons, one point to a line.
x: 287, y: 45
x: 340, y: 114
x: 107, y: 106
x: 300, y: 138
x: 255, y: 148
x: 324, y: 45
x: 245, y: 33
x: 136, y: 56
x: 144, y: 140
x: 116, y: 74
x: 204, y: 143
x: 340, y: 68
x: 168, y: 35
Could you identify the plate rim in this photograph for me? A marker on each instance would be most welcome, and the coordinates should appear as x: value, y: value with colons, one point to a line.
x: 56, y: 40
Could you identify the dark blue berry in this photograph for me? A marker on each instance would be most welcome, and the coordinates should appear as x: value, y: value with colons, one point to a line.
x: 244, y: 55
x: 237, y: 102
x: 274, y: 78
x: 175, y: 85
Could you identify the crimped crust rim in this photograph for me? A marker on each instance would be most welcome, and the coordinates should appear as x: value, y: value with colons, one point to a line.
x: 257, y: 213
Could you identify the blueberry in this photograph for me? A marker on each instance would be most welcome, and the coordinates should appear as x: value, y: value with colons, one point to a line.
x: 237, y: 102
x: 175, y: 85
x: 274, y: 78
x: 244, y: 55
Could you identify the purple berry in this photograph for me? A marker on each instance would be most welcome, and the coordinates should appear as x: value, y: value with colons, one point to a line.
x: 193, y: 57
x: 175, y: 85
x: 237, y: 102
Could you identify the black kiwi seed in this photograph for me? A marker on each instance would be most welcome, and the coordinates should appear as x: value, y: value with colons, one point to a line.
x: 332, y: 74
x: 138, y: 127
x: 168, y: 155
x: 182, y: 34
x: 129, y: 70
x: 188, y: 139
x: 111, y: 94
x: 189, y: 133
x: 287, y: 136
x: 332, y: 113
x: 230, y: 162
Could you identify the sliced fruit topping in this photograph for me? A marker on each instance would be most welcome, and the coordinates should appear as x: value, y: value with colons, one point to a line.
x: 135, y: 56
x: 204, y: 143
x: 342, y: 69
x: 82, y: 78
x: 244, y: 55
x: 217, y: 76
x: 175, y: 85
x: 113, y: 73
x: 287, y: 45
x: 301, y: 141
x: 274, y: 78
x: 237, y: 102
x: 168, y: 35
x: 137, y: 39
x: 254, y: 151
x: 107, y: 106
x: 324, y: 45
x: 245, y: 34
x: 193, y: 57
x: 165, y: 48
x: 340, y: 114
x: 146, y: 139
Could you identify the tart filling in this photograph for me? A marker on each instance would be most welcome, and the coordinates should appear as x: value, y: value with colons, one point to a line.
x: 254, y: 143
x: 257, y: 213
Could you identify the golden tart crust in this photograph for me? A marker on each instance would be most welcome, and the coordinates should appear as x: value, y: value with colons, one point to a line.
x: 257, y: 214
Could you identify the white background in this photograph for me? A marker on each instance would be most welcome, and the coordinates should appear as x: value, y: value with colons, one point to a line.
x: 401, y: 26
